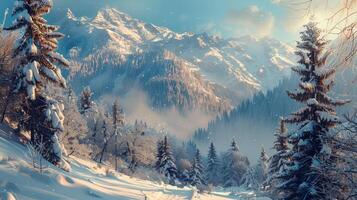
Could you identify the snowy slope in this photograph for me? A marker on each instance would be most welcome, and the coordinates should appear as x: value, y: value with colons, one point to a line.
x: 235, y: 68
x: 87, y: 180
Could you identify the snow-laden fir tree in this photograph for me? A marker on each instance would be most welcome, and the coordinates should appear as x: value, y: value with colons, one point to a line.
x: 234, y: 146
x: 197, y: 177
x: 86, y: 102
x: 213, y: 166
x: 234, y: 166
x: 250, y: 180
x: 73, y: 137
x: 278, y: 161
x: 38, y: 64
x: 262, y: 167
x: 118, y: 123
x: 36, y: 48
x: 304, y: 179
x: 165, y: 163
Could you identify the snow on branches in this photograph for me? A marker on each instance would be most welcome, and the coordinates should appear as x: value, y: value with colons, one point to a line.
x: 36, y: 47
x: 300, y: 178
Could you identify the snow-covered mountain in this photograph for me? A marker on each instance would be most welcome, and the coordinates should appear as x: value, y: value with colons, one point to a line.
x: 114, y: 50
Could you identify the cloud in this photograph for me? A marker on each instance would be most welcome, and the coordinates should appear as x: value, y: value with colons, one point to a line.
x: 179, y: 124
x: 276, y: 1
x: 299, y: 12
x: 251, y: 20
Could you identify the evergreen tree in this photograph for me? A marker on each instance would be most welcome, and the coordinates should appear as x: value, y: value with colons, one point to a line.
x: 250, y: 180
x: 118, y: 122
x: 278, y: 162
x: 262, y: 167
x: 212, y: 166
x: 165, y: 163
x: 196, y: 173
x: 86, y: 102
x: 38, y: 60
x: 185, y: 177
x: 234, y: 146
x: 304, y: 179
x: 235, y: 165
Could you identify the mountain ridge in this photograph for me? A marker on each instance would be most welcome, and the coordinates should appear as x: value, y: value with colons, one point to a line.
x: 229, y: 66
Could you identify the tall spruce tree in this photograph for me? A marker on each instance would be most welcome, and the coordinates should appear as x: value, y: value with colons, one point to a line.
x: 118, y: 123
x: 303, y: 176
x: 234, y: 166
x: 250, y: 180
x: 196, y: 173
x: 234, y: 146
x: 212, y: 166
x: 278, y: 162
x: 262, y: 167
x: 165, y: 163
x: 38, y: 60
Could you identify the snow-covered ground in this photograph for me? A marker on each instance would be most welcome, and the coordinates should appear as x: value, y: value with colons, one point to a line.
x: 87, y: 180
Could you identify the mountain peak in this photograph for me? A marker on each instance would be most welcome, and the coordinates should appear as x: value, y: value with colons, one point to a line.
x: 70, y: 14
x: 232, y: 69
x: 112, y: 15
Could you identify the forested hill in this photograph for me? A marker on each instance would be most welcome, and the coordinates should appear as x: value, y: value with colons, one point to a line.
x: 254, y: 121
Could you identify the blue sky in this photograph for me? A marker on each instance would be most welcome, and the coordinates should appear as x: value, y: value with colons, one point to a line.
x: 227, y: 18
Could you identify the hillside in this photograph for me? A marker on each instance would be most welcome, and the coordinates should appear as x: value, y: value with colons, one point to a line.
x: 255, y: 120
x: 86, y: 180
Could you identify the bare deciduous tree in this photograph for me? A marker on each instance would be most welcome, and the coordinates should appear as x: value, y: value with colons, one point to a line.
x: 7, y: 76
x: 341, y: 22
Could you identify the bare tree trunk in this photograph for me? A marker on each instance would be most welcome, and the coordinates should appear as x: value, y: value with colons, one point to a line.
x: 104, y: 148
x: 7, y: 101
x: 103, y: 151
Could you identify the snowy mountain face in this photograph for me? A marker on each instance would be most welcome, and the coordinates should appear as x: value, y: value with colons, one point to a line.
x: 193, y: 71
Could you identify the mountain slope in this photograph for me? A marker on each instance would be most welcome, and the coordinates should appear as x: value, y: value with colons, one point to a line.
x: 87, y: 180
x: 228, y: 70
x: 254, y: 121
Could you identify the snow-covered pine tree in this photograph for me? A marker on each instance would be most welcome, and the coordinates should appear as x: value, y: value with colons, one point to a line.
x: 185, y: 177
x: 262, y: 167
x: 86, y: 102
x: 303, y: 176
x: 196, y: 173
x: 234, y: 146
x: 212, y: 166
x: 38, y: 60
x: 36, y: 48
x: 73, y: 137
x: 250, y: 180
x: 118, y: 123
x: 278, y: 161
x: 234, y: 166
x: 165, y: 163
